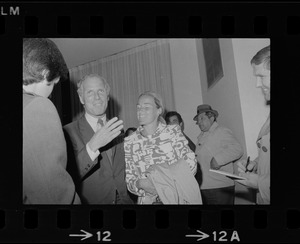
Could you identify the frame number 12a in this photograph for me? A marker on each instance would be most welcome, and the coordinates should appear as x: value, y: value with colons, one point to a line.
x: 220, y: 236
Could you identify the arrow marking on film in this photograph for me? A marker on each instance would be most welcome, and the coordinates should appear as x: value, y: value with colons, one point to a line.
x: 201, y: 235
x: 85, y: 235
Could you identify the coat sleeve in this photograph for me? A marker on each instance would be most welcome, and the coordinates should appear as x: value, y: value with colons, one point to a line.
x: 255, y: 165
x: 45, y: 179
x: 264, y: 188
x: 230, y: 148
x: 83, y: 160
x: 182, y: 150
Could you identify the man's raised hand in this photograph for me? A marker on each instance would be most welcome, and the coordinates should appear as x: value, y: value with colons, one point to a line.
x: 106, y: 134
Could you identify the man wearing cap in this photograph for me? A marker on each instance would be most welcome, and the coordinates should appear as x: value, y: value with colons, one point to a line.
x: 99, y: 155
x: 216, y: 149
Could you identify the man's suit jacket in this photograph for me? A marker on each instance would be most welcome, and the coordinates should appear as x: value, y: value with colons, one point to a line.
x: 99, y: 179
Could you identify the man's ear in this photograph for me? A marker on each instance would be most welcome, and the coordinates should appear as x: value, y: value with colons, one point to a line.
x: 80, y: 96
x: 160, y: 111
x: 56, y: 80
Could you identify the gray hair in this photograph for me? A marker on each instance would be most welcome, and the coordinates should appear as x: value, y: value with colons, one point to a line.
x: 158, y: 102
x: 79, y: 84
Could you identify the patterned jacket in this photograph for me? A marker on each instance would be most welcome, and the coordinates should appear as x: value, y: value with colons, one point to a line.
x: 166, y: 145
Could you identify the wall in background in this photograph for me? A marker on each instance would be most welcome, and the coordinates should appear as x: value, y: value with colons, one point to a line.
x: 186, y: 83
x: 78, y: 51
x: 223, y: 96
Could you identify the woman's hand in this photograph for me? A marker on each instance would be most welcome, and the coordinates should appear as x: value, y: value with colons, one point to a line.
x: 146, y: 185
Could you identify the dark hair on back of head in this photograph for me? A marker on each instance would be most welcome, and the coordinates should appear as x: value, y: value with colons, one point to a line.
x: 173, y: 113
x: 42, y: 55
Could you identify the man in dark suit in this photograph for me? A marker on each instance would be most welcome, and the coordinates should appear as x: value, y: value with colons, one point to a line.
x: 99, y: 154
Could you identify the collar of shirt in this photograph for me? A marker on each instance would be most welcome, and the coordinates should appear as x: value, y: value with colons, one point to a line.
x: 93, y: 120
x: 30, y: 93
x: 265, y: 129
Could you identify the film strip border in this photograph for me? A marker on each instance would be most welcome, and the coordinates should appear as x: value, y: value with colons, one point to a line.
x: 161, y: 25
x: 162, y: 224
x: 161, y: 20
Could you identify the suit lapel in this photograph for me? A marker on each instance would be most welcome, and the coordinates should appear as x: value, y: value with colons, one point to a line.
x: 110, y: 152
x: 85, y: 129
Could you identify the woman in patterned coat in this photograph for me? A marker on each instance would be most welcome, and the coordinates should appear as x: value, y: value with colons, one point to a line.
x: 153, y: 143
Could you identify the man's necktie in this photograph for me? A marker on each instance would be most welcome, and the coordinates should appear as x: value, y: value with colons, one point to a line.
x: 100, y: 122
x: 108, y: 152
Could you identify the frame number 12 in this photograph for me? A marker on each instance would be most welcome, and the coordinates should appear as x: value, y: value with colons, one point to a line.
x: 103, y: 236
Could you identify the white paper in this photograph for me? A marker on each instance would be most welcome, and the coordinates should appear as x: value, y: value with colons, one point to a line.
x: 232, y: 176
